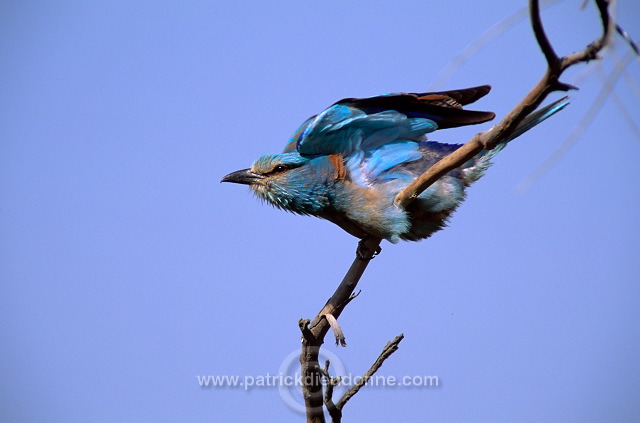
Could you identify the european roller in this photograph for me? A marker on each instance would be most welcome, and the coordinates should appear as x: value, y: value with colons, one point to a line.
x: 347, y: 164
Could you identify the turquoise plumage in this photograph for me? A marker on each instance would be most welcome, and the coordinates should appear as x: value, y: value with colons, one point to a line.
x: 349, y: 162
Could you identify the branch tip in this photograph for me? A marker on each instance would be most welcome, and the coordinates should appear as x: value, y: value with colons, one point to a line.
x: 354, y: 295
x: 331, y: 382
x: 303, y: 325
x: 625, y: 35
x: 541, y: 37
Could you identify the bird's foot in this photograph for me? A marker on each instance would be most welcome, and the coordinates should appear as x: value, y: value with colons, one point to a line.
x: 363, y: 252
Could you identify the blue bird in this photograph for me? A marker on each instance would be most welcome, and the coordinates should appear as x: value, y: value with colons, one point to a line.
x: 348, y: 163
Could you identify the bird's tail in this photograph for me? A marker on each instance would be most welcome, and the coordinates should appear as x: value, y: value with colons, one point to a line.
x: 481, y: 162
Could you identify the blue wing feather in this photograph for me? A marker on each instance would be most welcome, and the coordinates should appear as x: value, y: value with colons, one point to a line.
x: 354, y: 124
x: 343, y: 129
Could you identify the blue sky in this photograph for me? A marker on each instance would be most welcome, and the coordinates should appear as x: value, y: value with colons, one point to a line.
x: 128, y: 270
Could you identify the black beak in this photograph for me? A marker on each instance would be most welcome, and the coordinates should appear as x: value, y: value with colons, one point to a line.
x: 244, y: 176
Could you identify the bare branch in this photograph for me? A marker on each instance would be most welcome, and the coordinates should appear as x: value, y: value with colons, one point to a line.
x: 343, y: 294
x: 628, y: 39
x: 489, y: 139
x: 589, y: 116
x: 331, y: 382
x: 388, y: 349
x: 313, y: 335
x: 592, y: 50
x: 541, y: 36
x: 439, y: 169
x: 314, y: 338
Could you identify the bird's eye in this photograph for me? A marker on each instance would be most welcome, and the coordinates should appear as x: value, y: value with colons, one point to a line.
x: 279, y: 168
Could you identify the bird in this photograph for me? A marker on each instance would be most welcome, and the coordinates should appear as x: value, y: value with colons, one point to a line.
x: 348, y: 163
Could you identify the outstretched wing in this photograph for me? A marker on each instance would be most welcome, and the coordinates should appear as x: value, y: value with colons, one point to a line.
x: 443, y: 107
x: 352, y: 125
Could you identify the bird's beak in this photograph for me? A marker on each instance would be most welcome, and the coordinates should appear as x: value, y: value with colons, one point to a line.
x: 244, y: 176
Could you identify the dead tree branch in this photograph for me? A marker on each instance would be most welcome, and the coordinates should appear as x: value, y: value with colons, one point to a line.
x: 388, y: 349
x: 334, y: 411
x: 550, y: 82
x: 313, y: 334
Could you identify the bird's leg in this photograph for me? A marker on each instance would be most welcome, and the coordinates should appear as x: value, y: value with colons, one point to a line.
x: 363, y: 252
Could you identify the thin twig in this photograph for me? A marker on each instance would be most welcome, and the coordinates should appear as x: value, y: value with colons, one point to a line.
x: 592, y: 50
x: 388, y: 349
x: 589, y: 116
x: 541, y: 36
x: 628, y: 39
x: 331, y: 382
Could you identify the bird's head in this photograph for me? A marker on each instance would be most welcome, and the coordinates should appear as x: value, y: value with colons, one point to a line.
x: 288, y: 181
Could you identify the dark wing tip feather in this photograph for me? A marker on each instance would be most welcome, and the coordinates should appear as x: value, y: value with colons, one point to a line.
x: 452, y: 118
x: 443, y: 107
x: 463, y: 96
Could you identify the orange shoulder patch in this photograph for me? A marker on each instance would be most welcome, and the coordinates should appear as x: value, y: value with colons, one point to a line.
x: 338, y: 162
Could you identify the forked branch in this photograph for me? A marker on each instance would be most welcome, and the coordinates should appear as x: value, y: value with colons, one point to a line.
x: 313, y: 334
x: 550, y: 82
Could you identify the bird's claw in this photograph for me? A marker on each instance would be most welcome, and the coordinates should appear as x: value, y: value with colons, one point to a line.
x: 364, y: 253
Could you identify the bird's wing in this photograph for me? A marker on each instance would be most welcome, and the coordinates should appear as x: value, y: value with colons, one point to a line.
x: 443, y: 107
x: 354, y: 125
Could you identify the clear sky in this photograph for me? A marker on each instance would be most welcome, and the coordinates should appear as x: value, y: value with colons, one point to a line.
x: 127, y: 270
